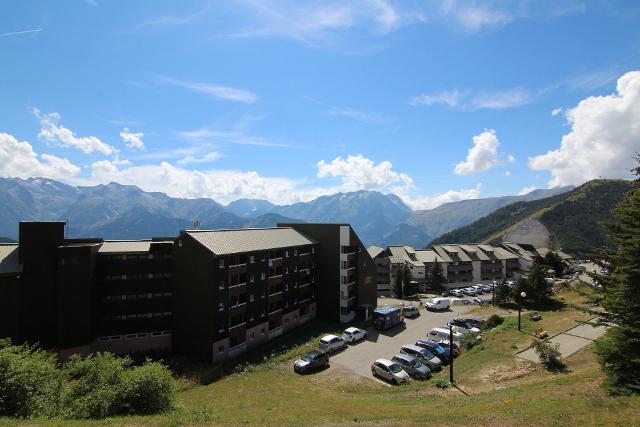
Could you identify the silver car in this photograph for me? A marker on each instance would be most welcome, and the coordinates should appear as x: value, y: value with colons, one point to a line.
x: 423, y: 355
x: 412, y: 366
x: 389, y: 370
x: 331, y: 343
x: 457, y: 293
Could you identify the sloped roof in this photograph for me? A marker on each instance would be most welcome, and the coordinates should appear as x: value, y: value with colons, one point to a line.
x: 9, y: 259
x: 428, y: 255
x: 223, y: 242
x: 124, y: 246
x: 502, y: 253
x: 374, y: 251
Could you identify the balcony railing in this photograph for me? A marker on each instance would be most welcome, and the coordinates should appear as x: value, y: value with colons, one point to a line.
x: 237, y: 326
x: 236, y: 285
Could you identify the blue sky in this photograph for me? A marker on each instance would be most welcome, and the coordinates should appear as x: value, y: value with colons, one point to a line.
x: 432, y: 100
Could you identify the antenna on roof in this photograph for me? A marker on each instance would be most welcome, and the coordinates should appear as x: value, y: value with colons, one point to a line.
x: 66, y: 229
x: 196, y: 224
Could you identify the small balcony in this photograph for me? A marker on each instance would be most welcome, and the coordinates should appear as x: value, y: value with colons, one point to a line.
x: 346, y: 318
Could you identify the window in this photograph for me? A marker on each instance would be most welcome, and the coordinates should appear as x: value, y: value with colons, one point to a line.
x: 221, y: 263
x: 251, y: 259
x: 286, y: 254
x: 221, y: 285
x: 313, y: 250
x: 251, y: 278
x: 263, y: 276
x: 221, y: 306
x: 286, y: 287
x: 295, y: 252
x: 286, y: 270
x: 250, y: 297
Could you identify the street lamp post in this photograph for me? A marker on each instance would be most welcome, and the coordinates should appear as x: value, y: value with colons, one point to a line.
x: 451, y: 353
x: 523, y: 295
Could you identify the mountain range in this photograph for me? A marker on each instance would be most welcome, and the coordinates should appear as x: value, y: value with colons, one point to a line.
x: 574, y: 221
x: 116, y: 211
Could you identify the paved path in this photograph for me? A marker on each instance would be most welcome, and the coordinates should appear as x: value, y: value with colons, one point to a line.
x: 569, y: 341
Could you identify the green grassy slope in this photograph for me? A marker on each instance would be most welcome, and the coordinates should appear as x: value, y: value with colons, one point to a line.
x: 575, y: 220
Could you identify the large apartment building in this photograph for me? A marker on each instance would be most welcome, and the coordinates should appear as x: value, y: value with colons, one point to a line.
x: 207, y: 294
x: 461, y: 265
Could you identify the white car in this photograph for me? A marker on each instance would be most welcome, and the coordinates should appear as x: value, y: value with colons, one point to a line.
x: 469, y: 291
x: 354, y: 334
x: 479, y: 288
x: 390, y: 371
x: 443, y: 334
x: 331, y: 343
x: 457, y: 293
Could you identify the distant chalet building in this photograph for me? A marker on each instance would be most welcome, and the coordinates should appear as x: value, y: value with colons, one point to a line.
x: 207, y: 294
x: 462, y: 265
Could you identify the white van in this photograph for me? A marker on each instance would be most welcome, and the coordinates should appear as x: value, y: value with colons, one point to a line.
x: 437, y: 304
x: 443, y: 334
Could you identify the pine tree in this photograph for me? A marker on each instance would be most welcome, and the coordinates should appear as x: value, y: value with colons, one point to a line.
x: 436, y: 277
x: 401, y: 280
x: 502, y: 293
x: 619, y: 351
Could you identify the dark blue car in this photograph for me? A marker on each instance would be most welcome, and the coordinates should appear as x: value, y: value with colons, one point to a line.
x: 441, y: 352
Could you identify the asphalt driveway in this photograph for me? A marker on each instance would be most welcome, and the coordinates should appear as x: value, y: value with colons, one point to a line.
x: 384, y: 344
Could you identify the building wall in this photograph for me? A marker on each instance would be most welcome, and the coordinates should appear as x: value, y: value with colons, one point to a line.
x: 10, y: 306
x: 39, y: 243
x: 75, y: 289
x: 195, y: 312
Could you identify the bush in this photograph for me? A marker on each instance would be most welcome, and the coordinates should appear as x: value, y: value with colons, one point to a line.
x: 104, y: 385
x: 441, y: 383
x: 30, y: 383
x: 492, y: 322
x: 549, y: 356
x: 468, y: 341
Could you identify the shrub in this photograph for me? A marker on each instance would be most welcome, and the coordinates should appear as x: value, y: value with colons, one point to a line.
x: 29, y: 381
x: 441, y: 383
x: 468, y: 341
x: 103, y: 385
x: 148, y: 389
x: 549, y: 355
x: 492, y: 322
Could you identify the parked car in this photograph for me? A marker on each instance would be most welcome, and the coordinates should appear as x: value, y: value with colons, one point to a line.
x: 435, y: 348
x: 410, y: 311
x: 445, y: 293
x: 487, y: 288
x: 478, y: 288
x: 331, y: 343
x: 453, y: 347
x: 443, y: 334
x: 311, y: 361
x: 437, y: 304
x: 457, y: 293
x: 481, y: 301
x: 389, y: 370
x: 473, y: 321
x: 469, y: 291
x: 463, y: 327
x: 422, y: 354
x: 412, y: 366
x: 354, y: 334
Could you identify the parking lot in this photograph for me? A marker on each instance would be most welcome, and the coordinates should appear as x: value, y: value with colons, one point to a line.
x: 358, y: 357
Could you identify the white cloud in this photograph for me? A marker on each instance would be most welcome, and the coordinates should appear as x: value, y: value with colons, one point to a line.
x: 358, y: 173
x: 212, y: 90
x: 53, y: 132
x: 16, y: 33
x: 557, y: 111
x: 475, y: 18
x: 603, y: 139
x: 479, y: 100
x: 483, y: 155
x: 223, y: 186
x: 322, y: 23
x: 208, y: 157
x: 430, y: 202
x: 450, y: 98
x: 133, y: 140
x: 17, y: 159
x: 507, y: 173
x: 527, y: 190
x: 362, y: 116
